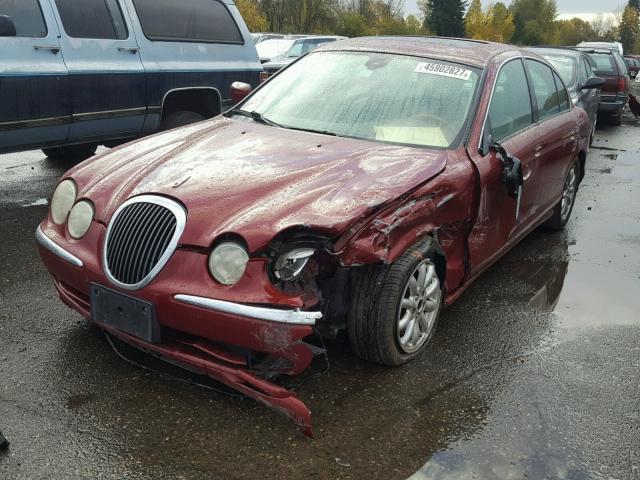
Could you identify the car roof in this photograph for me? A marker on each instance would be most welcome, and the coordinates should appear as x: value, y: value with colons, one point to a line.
x: 603, y: 50
x: 556, y: 50
x: 471, y: 52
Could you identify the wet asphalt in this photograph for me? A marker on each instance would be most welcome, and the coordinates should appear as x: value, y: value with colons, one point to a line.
x: 534, y: 372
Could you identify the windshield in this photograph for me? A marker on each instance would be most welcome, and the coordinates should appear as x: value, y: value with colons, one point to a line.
x: 566, y: 67
x: 304, y: 46
x: 273, y: 48
x: 371, y: 96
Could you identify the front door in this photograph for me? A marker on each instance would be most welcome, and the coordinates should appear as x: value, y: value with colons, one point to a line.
x: 510, y: 122
x: 34, y: 106
x: 106, y: 75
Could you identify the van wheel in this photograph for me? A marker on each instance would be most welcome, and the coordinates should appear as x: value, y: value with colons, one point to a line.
x: 71, y: 152
x: 395, y: 308
x: 180, y: 119
x: 616, y: 119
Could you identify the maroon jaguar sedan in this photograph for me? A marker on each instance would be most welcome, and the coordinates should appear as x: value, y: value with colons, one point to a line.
x: 351, y: 196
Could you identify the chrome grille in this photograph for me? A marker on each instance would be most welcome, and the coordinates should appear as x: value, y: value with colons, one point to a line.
x: 141, y: 237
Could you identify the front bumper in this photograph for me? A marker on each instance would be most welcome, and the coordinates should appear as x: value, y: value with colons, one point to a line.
x: 232, y: 342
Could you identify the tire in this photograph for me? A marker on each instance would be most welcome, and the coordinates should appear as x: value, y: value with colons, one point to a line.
x: 616, y: 119
x: 71, y: 152
x: 377, y: 305
x: 180, y: 119
x: 562, y: 211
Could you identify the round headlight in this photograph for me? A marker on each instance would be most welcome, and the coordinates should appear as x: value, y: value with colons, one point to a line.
x: 63, y: 199
x: 80, y: 219
x: 289, y: 265
x: 228, y: 262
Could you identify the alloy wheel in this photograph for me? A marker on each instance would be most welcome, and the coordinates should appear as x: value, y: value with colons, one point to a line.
x: 419, y: 308
x: 569, y: 193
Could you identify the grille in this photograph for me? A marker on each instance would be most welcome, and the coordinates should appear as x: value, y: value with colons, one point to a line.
x: 140, y: 240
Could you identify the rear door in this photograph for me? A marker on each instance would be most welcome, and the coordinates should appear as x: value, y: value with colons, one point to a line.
x: 34, y: 107
x: 590, y: 98
x: 107, y: 81
x: 558, y: 134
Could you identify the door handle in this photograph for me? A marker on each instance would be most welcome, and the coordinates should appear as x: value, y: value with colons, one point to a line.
x: 55, y: 49
x: 538, y: 150
x: 131, y: 50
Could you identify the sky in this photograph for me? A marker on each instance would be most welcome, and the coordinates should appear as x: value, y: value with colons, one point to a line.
x: 586, y: 9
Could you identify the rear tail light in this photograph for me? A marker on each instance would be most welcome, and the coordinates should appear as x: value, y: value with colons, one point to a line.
x: 263, y: 77
x: 622, y: 84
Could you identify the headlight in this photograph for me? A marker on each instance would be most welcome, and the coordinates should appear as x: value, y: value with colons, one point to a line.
x: 63, y: 199
x: 80, y: 219
x: 289, y: 265
x: 228, y: 262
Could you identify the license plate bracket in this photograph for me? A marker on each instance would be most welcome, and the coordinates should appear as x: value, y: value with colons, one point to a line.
x: 122, y: 312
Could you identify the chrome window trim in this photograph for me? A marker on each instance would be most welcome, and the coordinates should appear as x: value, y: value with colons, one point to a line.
x: 553, y: 71
x: 493, y: 89
x: 181, y: 220
x: 294, y: 317
x: 56, y: 249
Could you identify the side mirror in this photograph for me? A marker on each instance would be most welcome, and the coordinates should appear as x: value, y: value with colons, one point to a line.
x: 593, y: 83
x: 239, y: 91
x: 512, y: 174
x: 7, y: 27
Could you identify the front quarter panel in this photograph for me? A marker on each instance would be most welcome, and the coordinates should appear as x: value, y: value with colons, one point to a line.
x: 441, y: 207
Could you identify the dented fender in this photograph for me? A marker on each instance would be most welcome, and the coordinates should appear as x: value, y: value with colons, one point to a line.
x: 442, y: 208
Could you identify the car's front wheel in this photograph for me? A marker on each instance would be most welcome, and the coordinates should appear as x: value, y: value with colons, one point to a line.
x: 395, y: 308
x: 180, y: 119
x: 71, y: 152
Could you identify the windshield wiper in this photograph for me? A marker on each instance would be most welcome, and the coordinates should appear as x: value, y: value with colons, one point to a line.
x: 321, y: 132
x: 256, y: 116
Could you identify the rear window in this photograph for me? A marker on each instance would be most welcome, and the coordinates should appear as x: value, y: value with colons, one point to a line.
x: 92, y: 19
x: 206, y: 21
x: 605, y: 63
x: 26, y: 17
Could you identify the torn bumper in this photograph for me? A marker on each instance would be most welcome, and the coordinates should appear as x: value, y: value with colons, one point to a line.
x: 267, y: 393
x: 232, y: 342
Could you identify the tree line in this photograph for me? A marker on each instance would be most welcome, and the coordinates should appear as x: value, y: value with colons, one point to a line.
x: 523, y: 22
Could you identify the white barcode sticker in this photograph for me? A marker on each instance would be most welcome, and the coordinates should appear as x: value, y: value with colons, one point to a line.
x: 443, y: 70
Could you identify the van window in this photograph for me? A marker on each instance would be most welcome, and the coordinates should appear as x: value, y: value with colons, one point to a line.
x: 605, y: 63
x: 544, y: 88
x: 92, y: 19
x: 27, y: 17
x: 510, y: 110
x: 206, y: 21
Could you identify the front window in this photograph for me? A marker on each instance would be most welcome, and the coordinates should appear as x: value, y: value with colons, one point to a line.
x: 371, y: 96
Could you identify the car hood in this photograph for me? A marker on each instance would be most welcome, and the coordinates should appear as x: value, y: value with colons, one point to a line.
x: 254, y: 180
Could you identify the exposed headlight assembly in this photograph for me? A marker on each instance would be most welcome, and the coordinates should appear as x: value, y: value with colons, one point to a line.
x: 289, y: 265
x: 63, y: 199
x: 228, y: 262
x: 80, y: 219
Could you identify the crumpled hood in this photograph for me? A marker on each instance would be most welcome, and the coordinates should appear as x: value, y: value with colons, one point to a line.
x: 255, y: 180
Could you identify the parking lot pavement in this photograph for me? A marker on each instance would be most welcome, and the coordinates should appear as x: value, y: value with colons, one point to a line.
x: 533, y: 372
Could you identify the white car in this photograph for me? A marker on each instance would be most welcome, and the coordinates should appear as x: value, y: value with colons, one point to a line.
x: 613, y: 45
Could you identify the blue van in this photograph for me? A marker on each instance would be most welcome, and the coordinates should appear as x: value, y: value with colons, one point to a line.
x: 75, y: 74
